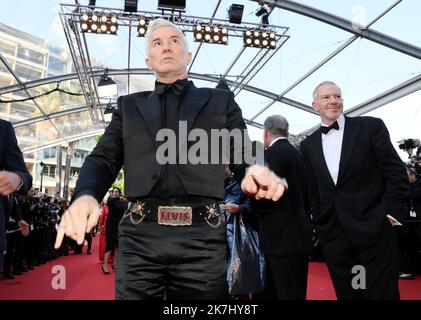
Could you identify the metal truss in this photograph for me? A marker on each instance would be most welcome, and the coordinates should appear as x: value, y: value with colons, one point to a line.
x: 256, y: 64
x: 25, y: 89
x: 71, y: 17
x: 347, y: 25
x: 323, y: 62
x: 80, y: 55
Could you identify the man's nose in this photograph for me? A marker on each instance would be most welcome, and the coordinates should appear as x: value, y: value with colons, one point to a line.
x: 166, y: 47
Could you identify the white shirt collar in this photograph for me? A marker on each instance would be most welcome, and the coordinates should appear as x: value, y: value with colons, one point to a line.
x: 276, y: 139
x: 341, y: 122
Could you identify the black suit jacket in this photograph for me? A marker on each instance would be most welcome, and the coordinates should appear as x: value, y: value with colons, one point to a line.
x: 372, y: 181
x: 11, y: 159
x: 284, y: 229
x: 130, y: 140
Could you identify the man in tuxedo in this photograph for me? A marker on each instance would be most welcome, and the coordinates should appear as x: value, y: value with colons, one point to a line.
x: 357, y: 189
x: 172, y: 239
x: 14, y: 177
x: 284, y: 230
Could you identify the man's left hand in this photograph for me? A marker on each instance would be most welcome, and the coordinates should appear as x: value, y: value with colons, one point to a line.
x: 262, y: 183
x: 9, y: 181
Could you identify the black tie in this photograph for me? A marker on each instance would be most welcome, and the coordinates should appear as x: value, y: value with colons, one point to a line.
x: 325, y: 130
x: 177, y: 87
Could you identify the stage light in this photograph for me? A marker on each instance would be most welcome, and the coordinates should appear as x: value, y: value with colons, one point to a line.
x: 92, y: 3
x: 142, y: 27
x: 130, y: 5
x: 107, y: 86
x: 99, y: 23
x: 210, y: 34
x: 235, y: 13
x: 264, y: 11
x: 259, y: 39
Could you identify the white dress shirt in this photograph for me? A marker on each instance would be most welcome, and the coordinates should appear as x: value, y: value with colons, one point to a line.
x: 332, y: 146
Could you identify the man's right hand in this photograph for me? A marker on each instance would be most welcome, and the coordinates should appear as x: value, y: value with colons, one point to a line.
x: 78, y: 219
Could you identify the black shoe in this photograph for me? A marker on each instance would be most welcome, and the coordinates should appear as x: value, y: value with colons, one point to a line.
x: 103, y: 270
x: 406, y: 276
x: 89, y: 252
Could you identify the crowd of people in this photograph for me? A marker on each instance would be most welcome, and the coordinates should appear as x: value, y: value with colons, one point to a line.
x: 31, y: 231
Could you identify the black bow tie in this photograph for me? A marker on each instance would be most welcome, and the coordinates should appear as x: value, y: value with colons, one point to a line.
x: 325, y: 130
x: 177, y: 87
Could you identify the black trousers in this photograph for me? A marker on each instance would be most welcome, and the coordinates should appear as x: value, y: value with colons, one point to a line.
x: 286, y: 277
x: 172, y: 262
x: 378, y: 279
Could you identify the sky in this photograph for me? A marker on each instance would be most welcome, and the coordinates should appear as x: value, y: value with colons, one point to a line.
x: 363, y: 70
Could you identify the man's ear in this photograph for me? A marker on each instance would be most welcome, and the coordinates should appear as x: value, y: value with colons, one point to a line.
x: 314, y: 105
x: 189, y: 57
x: 148, y: 63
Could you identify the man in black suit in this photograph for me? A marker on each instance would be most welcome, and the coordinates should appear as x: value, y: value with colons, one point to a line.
x: 284, y: 230
x: 172, y: 239
x: 14, y: 177
x: 358, y: 189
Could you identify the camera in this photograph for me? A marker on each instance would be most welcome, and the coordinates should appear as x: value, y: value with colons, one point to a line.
x: 409, y: 145
x: 414, y: 159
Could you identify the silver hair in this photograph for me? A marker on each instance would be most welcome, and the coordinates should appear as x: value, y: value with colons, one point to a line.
x: 159, y: 23
x: 277, y: 126
x: 316, y: 90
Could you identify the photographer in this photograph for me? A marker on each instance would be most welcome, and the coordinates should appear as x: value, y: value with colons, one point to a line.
x: 414, y: 220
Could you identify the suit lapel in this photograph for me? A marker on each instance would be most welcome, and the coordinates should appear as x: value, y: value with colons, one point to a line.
x: 150, y: 108
x: 317, y: 150
x: 193, y: 102
x: 351, y: 131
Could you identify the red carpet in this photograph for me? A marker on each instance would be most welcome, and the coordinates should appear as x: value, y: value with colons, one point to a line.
x: 85, y: 281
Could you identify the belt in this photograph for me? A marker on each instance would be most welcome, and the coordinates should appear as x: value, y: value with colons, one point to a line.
x: 174, y: 212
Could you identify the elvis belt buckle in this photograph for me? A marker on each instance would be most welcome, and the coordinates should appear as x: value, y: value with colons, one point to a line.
x: 175, y: 216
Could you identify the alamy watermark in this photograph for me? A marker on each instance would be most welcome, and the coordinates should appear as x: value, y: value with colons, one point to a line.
x: 58, y: 282
x: 212, y: 146
x: 359, y: 280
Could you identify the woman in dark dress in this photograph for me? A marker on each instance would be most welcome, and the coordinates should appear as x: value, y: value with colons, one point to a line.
x: 117, y: 205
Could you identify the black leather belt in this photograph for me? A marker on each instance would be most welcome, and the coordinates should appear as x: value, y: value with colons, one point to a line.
x: 175, y: 212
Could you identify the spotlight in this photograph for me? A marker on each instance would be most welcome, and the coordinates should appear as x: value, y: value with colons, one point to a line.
x: 130, y: 5
x: 222, y: 84
x: 142, y: 27
x: 259, y: 39
x: 109, y: 109
x: 107, y: 86
x: 98, y: 23
x: 264, y: 11
x: 108, y: 112
x: 210, y: 34
x: 235, y: 13
x: 172, y: 4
